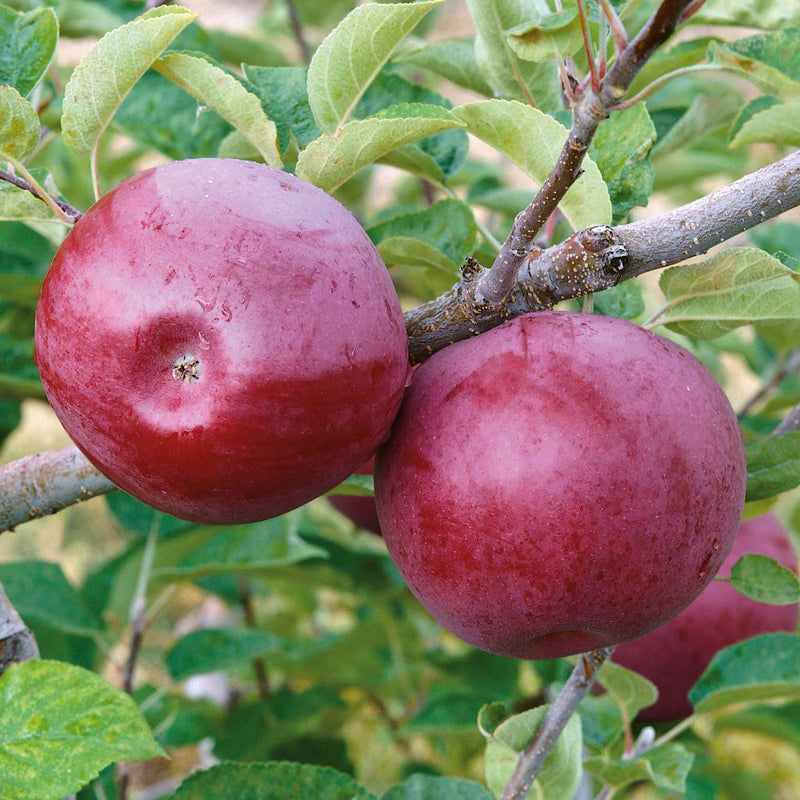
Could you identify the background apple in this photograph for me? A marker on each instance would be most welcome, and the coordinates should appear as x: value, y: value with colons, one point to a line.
x: 222, y: 340
x: 676, y: 655
x: 560, y: 483
x: 360, y: 510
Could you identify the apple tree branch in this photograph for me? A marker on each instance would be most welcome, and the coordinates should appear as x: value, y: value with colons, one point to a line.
x: 532, y: 759
x: 496, y: 285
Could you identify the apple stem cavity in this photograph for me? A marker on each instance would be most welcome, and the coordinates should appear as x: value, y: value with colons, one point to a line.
x: 532, y: 759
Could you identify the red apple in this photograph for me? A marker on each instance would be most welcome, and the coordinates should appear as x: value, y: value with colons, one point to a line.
x: 560, y: 483
x: 222, y: 340
x: 360, y: 510
x: 676, y: 655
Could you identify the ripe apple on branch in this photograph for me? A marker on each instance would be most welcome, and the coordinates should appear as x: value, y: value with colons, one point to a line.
x: 222, y: 339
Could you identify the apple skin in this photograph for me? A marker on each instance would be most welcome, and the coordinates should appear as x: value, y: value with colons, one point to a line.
x: 360, y: 511
x: 561, y: 483
x: 273, y: 288
x: 675, y: 655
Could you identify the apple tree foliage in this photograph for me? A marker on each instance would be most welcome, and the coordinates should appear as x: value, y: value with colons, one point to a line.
x: 287, y: 655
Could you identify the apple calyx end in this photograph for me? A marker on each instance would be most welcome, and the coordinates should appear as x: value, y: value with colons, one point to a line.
x: 186, y: 369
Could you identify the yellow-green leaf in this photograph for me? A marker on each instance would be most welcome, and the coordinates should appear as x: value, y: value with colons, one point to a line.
x: 738, y: 286
x: 533, y: 140
x: 352, y: 55
x: 222, y: 93
x: 329, y: 161
x: 19, y: 124
x: 110, y: 69
x: 60, y: 726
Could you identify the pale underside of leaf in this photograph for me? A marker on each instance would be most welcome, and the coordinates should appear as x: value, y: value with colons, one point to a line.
x: 405, y: 251
x: 738, y: 286
x: 222, y: 93
x: 19, y: 124
x: 329, y: 161
x: 533, y: 141
x: 109, y: 71
x: 352, y: 55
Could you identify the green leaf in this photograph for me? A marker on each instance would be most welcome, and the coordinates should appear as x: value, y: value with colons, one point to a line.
x: 621, y: 150
x: 245, y: 548
x: 447, y: 225
x: 403, y: 251
x: 749, y: 14
x: 278, y: 780
x: 41, y: 594
x: 561, y: 774
x: 284, y: 96
x: 235, y: 48
x: 355, y: 486
x: 410, y: 158
x: 10, y: 417
x: 19, y: 125
x: 533, y: 141
x: 780, y: 123
x: 453, y: 59
x: 762, y: 578
x: 509, y: 76
x: 632, y: 691
x: 212, y: 649
x: 352, y: 55
x: 329, y: 161
x: 751, y: 672
x: 224, y: 94
x: 773, y: 466
x: 490, y: 717
x: 59, y: 726
x: 19, y: 377
x: 546, y: 35
x: 106, y: 74
x: 27, y: 44
x: 140, y: 518
x: 251, y: 731
x: 163, y: 116
x: 177, y: 720
x: 706, y: 114
x: 625, y: 300
x: 430, y: 787
x: 444, y: 712
x: 448, y: 148
x: 666, y: 766
x: 25, y: 256
x: 733, y: 288
x: 81, y: 18
x: 683, y: 54
x: 769, y: 60
x: 779, y: 239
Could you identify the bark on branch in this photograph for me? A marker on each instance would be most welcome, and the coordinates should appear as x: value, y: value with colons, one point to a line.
x: 39, y: 485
